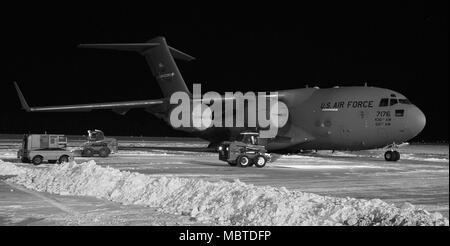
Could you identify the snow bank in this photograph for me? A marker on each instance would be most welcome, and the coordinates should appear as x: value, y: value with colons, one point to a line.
x: 225, y: 203
x: 7, y: 168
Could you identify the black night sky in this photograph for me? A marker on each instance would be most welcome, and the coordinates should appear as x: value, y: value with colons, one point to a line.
x: 403, y: 47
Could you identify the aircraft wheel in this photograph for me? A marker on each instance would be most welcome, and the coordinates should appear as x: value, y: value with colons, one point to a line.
x: 243, y: 161
x: 63, y: 159
x: 37, y: 160
x: 388, y: 155
x: 391, y: 155
x: 397, y: 155
x: 260, y: 161
x: 87, y: 152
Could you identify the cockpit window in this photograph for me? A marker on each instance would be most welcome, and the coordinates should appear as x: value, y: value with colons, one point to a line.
x: 404, y: 101
x: 384, y: 102
x: 393, y: 102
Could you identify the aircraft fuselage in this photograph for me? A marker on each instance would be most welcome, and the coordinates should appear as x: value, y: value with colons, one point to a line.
x: 340, y: 118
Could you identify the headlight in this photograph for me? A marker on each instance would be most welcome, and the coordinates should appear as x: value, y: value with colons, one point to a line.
x: 220, y: 147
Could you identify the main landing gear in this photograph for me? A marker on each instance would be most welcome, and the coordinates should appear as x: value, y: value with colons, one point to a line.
x: 392, y: 154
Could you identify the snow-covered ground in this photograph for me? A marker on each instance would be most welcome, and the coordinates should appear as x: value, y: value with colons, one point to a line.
x: 224, y: 203
x: 194, y: 187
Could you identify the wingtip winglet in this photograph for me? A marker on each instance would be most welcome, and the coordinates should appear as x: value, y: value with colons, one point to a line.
x: 23, y: 102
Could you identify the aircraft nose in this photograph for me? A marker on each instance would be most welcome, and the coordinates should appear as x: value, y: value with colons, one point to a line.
x: 417, y: 120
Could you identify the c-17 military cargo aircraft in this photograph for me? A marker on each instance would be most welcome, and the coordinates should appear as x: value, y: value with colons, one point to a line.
x: 339, y: 118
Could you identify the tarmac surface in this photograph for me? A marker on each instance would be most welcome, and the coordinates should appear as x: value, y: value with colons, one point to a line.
x: 421, y: 177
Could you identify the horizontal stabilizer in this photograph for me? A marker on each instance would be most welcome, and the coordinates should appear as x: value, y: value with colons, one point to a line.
x: 141, y: 48
x: 160, y: 58
x: 138, y: 47
x: 180, y: 55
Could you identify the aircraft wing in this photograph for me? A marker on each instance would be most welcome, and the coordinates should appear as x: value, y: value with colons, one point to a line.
x: 118, y: 107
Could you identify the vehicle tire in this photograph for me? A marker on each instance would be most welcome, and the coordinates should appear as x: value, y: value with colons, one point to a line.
x: 20, y: 153
x: 243, y: 161
x: 103, y: 152
x: 37, y: 160
x: 260, y: 161
x: 87, y: 152
x: 63, y: 158
x: 232, y: 163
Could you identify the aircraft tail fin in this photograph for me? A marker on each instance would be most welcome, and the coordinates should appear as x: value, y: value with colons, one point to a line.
x: 159, y: 57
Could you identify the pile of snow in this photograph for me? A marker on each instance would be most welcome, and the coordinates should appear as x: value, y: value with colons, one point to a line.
x: 7, y: 168
x: 225, y: 203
